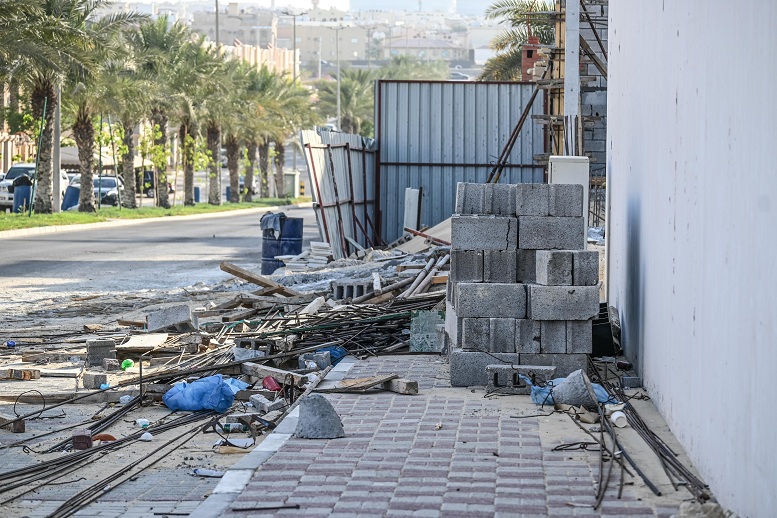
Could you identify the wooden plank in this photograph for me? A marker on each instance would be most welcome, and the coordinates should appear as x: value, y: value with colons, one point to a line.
x: 60, y: 373
x: 401, y: 386
x: 360, y: 385
x: 259, y: 280
x: 281, y: 376
x: 20, y: 374
x: 440, y: 278
x: 131, y: 323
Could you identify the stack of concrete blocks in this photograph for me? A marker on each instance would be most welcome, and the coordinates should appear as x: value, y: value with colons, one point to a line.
x: 522, y: 288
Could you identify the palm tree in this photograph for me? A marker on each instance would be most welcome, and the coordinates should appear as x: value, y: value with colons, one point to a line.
x: 525, y: 18
x: 41, y: 42
x: 356, y: 98
x: 409, y: 67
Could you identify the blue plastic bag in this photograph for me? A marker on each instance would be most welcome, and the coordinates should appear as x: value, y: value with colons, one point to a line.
x: 210, y: 393
x: 336, y: 353
x: 544, y: 396
x: 236, y: 385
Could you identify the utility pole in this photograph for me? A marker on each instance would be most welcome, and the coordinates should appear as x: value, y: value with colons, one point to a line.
x: 56, y: 157
x: 218, y: 158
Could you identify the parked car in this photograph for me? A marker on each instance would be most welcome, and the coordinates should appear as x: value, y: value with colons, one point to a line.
x: 459, y: 76
x: 106, y: 189
x: 242, y: 186
x: 147, y: 185
x: 6, y: 185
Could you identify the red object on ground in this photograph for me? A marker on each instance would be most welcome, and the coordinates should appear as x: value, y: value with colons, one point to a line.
x: 270, y: 384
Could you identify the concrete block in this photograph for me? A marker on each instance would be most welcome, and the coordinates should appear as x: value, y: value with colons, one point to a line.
x: 322, y: 360
x: 172, y: 318
x: 93, y: 380
x: 553, y: 336
x: 491, y: 300
x: 468, y: 368
x: 475, y: 334
x: 564, y: 363
x: 318, y: 419
x: 506, y: 379
x: 565, y: 200
x: 484, y: 232
x: 526, y: 271
x: 531, y: 199
x: 98, y: 350
x: 500, y: 266
x: 579, y: 336
x: 562, y: 302
x: 470, y: 198
x: 502, y: 335
x: 423, y: 331
x: 585, y: 270
x: 466, y: 266
x: 265, y: 405
x: 554, y: 267
x: 500, y: 199
x: 110, y: 364
x: 527, y: 336
x: 551, y: 233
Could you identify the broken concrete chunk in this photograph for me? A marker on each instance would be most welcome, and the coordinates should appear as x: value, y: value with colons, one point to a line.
x: 262, y: 403
x: 318, y: 419
x: 110, y: 364
x: 92, y: 380
x: 576, y: 390
x: 172, y: 318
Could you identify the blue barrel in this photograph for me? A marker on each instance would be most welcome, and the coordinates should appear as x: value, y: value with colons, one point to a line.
x: 290, y: 243
x: 22, y: 194
x: 72, y: 197
x: 229, y: 191
x: 196, y: 195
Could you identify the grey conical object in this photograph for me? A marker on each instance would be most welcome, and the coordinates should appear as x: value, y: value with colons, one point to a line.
x: 318, y: 419
x: 576, y: 390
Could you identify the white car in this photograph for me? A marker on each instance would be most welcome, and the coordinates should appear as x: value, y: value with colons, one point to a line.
x: 6, y: 198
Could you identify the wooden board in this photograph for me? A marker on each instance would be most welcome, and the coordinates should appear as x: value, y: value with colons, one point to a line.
x: 360, y: 385
x: 269, y: 285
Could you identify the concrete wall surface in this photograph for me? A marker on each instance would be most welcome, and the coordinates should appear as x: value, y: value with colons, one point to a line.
x: 692, y: 175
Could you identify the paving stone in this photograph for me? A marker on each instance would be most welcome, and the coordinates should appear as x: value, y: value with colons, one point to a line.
x: 470, y: 198
x: 551, y: 233
x: 562, y: 302
x: 585, y: 268
x: 466, y: 266
x: 554, y: 267
x: 490, y: 300
x: 500, y: 266
x: 565, y: 200
x: 484, y: 232
x: 499, y: 199
x: 531, y: 199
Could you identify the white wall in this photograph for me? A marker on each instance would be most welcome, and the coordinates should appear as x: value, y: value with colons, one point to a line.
x: 692, y: 143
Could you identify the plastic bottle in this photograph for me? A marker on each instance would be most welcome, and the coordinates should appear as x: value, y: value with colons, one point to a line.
x: 143, y: 423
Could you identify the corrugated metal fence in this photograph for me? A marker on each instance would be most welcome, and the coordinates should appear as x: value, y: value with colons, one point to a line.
x: 433, y: 135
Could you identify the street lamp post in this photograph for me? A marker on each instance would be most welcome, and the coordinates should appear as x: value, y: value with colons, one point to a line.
x: 337, y: 57
x: 218, y: 159
x: 294, y: 39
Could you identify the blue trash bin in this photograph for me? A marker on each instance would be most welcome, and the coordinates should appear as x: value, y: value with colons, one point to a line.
x: 229, y: 191
x: 72, y: 197
x: 289, y: 242
x: 22, y: 197
x: 196, y: 195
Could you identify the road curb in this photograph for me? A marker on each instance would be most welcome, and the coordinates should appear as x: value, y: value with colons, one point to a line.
x: 54, y: 229
x: 238, y: 476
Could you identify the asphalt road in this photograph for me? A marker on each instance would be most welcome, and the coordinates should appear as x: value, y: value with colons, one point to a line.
x: 151, y: 255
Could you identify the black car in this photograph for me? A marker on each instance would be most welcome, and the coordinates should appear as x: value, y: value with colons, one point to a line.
x: 146, y: 186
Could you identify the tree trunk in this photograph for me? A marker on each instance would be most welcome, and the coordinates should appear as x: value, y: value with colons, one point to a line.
x: 83, y: 133
x: 251, y: 151
x: 279, y: 159
x: 160, y: 118
x: 264, y: 167
x: 128, y: 167
x: 212, y: 135
x: 186, y: 137
x: 233, y: 161
x: 44, y: 201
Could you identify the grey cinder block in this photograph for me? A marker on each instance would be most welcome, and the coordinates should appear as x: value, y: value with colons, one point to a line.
x: 172, y: 318
x: 585, y: 270
x: 470, y: 198
x: 98, y: 350
x: 562, y: 302
x: 468, y: 368
x: 565, y: 200
x: 553, y: 336
x: 526, y: 270
x: 93, y: 380
x: 475, y: 334
x: 484, y: 232
x: 505, y: 379
x: 531, y: 199
x: 495, y: 300
x: 554, y: 267
x: 502, y: 335
x: 500, y: 199
x: 551, y: 233
x: 500, y: 266
x: 564, y: 363
x: 466, y: 266
x: 579, y: 336
x: 527, y: 335
x: 265, y: 405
